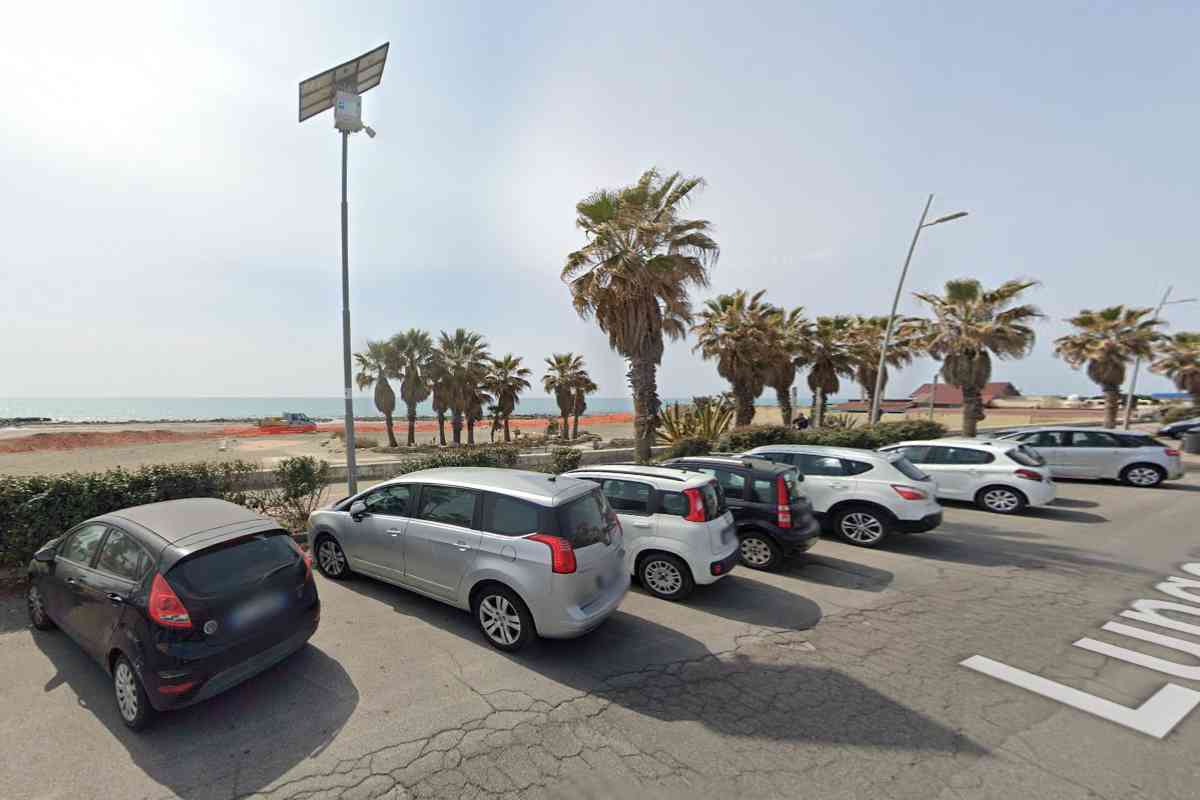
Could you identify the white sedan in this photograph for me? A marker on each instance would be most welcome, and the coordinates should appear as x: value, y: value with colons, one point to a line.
x: 1000, y: 476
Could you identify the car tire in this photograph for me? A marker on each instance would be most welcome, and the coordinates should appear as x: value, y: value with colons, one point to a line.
x: 35, y: 602
x: 1001, y: 500
x: 503, y: 618
x: 758, y: 551
x: 331, y: 560
x: 132, y: 703
x: 862, y: 526
x: 1145, y: 476
x: 665, y: 576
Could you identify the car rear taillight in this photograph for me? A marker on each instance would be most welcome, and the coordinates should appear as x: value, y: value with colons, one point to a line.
x: 175, y: 688
x: 1171, y: 451
x: 1028, y: 474
x: 695, y: 505
x: 909, y: 493
x: 165, y: 606
x: 783, y: 512
x: 562, y: 555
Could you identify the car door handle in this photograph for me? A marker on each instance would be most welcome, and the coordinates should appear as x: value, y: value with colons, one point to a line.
x: 641, y: 524
x: 462, y: 546
x: 71, y: 581
x: 115, y: 598
x: 395, y: 531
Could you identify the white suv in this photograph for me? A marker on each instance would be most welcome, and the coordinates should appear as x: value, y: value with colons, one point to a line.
x: 861, y: 495
x: 999, y: 476
x: 678, y: 530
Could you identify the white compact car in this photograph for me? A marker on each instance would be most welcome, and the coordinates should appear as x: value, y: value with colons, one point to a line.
x: 861, y: 495
x: 678, y: 530
x: 1137, y: 459
x: 996, y: 475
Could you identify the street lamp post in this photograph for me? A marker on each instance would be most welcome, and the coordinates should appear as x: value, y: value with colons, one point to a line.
x: 341, y: 89
x: 876, y: 398
x: 1137, y: 362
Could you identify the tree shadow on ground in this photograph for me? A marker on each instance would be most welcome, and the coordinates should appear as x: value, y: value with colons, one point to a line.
x: 763, y: 690
x: 829, y: 571
x: 273, y: 721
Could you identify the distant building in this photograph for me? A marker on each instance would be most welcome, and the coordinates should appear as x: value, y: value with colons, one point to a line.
x: 947, y: 395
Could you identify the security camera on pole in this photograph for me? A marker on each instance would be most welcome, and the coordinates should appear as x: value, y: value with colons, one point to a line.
x: 341, y: 89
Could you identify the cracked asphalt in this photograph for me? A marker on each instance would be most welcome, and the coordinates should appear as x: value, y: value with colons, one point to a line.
x: 836, y: 677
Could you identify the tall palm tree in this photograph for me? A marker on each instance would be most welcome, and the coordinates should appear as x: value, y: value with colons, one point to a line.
x: 374, y: 368
x: 866, y: 343
x: 788, y: 333
x: 1179, y: 359
x: 634, y: 274
x: 970, y: 325
x: 412, y: 354
x: 506, y: 380
x: 732, y: 331
x: 439, y: 393
x: 584, y: 385
x: 1107, y: 340
x: 463, y: 365
x: 477, y: 400
x: 562, y: 376
x: 829, y: 359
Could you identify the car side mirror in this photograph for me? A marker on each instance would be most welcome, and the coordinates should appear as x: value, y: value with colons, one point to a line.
x: 358, y: 509
x: 45, y: 555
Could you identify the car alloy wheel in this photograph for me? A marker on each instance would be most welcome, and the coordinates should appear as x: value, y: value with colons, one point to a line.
x: 126, y: 688
x: 37, y: 608
x: 500, y: 620
x: 756, y: 552
x: 331, y: 559
x: 1002, y: 501
x: 662, y: 577
x: 861, y: 527
x: 1143, y: 476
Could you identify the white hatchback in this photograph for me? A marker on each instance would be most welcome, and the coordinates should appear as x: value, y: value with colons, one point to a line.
x: 1004, y: 477
x: 678, y: 530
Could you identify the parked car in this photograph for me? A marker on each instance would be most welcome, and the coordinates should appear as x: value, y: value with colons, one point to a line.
x: 1137, y: 459
x: 528, y: 554
x: 861, y: 495
x: 679, y: 531
x: 772, y: 516
x: 179, y: 601
x: 1001, y: 476
x: 1176, y: 430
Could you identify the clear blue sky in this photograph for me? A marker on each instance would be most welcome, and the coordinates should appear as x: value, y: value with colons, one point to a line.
x: 171, y: 230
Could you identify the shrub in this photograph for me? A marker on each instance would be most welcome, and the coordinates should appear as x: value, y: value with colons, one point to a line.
x: 865, y: 438
x: 486, y: 456
x: 707, y: 419
x: 37, y: 508
x: 691, y: 446
x: 618, y: 442
x: 564, y: 459
x: 910, y: 429
x: 1180, y: 413
x: 300, y: 490
x: 840, y: 422
x: 748, y: 436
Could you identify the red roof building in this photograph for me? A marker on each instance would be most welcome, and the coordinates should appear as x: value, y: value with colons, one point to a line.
x: 945, y: 394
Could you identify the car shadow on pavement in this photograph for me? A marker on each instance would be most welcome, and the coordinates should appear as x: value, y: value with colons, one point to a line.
x: 1043, y: 512
x: 830, y: 571
x: 236, y: 742
x: 741, y: 598
x: 1068, y: 502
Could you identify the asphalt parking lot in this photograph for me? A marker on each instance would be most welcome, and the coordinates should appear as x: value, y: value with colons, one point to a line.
x: 839, y: 676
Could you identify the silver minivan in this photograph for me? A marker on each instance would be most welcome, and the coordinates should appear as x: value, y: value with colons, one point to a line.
x: 1137, y: 459
x: 528, y: 554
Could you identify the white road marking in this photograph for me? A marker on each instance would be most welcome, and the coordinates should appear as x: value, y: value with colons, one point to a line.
x: 1164, y: 709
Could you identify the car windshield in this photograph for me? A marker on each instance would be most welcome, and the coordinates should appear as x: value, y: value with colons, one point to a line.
x: 908, y: 469
x: 1026, y: 456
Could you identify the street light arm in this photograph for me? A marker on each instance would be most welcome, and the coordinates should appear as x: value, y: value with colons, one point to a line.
x: 946, y: 218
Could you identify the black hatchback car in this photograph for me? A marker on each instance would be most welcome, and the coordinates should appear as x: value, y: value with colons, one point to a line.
x: 774, y: 519
x: 178, y: 600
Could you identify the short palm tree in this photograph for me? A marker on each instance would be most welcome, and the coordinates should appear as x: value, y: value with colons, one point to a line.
x: 1179, y: 359
x: 970, y: 325
x: 1106, y: 341
x: 633, y: 276
x: 374, y: 368
x: 412, y: 354
x: 829, y: 359
x: 439, y: 394
x: 463, y: 365
x: 584, y: 385
x: 506, y: 380
x: 866, y: 343
x: 788, y: 333
x: 562, y: 375
x: 732, y: 330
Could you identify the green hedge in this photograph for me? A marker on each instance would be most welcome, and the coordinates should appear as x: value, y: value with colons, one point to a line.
x: 486, y: 456
x: 1180, y: 413
x: 37, y: 508
x: 865, y: 438
x: 690, y: 446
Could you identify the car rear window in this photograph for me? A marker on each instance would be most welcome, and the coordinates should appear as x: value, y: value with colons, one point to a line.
x: 856, y: 467
x: 908, y: 469
x: 1026, y: 456
x: 587, y: 520
x: 714, y: 500
x: 1133, y: 440
x: 233, y: 564
x: 765, y: 491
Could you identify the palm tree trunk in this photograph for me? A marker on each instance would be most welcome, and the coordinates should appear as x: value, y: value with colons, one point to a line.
x: 391, y: 431
x: 1112, y: 399
x: 507, y: 435
x: 819, y: 409
x: 783, y: 396
x: 575, y: 429
x: 566, y: 426
x: 972, y: 411
x: 412, y: 424
x: 645, y: 404
x: 456, y: 425
x: 470, y: 429
x: 744, y: 405
x: 441, y: 415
